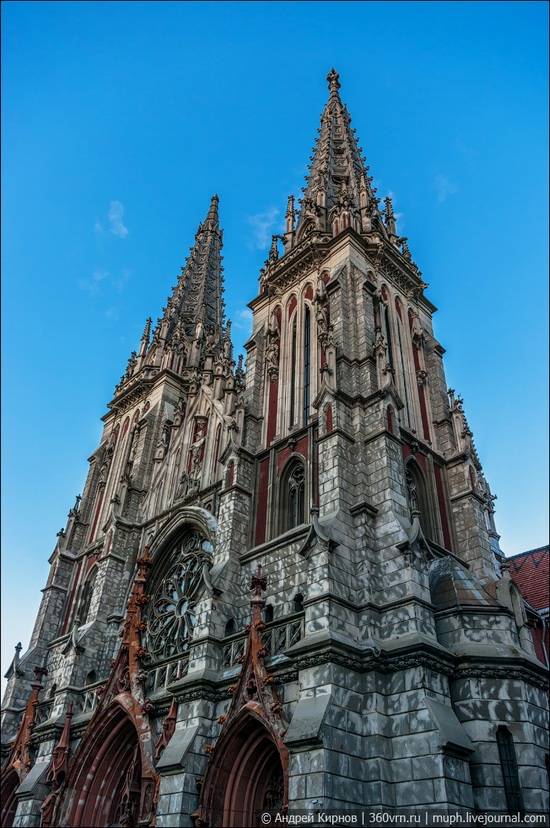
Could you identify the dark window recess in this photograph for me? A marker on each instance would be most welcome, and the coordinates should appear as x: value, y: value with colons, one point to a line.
x: 86, y: 599
x: 388, y: 335
x: 296, y: 497
x: 307, y: 364
x: 509, y: 766
x: 293, y: 372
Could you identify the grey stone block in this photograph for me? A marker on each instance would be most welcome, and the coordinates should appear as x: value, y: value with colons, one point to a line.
x: 36, y: 775
x: 452, y: 732
x: 175, y: 751
x: 307, y: 720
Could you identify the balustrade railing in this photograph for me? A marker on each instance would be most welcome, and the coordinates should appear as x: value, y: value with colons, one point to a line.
x: 277, y: 637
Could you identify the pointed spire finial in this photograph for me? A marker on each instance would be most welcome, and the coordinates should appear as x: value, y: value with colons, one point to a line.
x: 333, y: 82
x: 214, y: 205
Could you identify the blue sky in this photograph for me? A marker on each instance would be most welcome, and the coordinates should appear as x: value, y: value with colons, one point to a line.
x: 120, y: 120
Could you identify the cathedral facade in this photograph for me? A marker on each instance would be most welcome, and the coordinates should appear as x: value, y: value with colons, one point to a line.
x: 282, y: 587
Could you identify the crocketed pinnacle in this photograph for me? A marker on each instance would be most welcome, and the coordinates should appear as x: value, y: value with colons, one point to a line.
x: 198, y: 296
x: 337, y: 170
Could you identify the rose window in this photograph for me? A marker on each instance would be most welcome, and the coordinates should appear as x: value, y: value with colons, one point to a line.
x: 172, y: 610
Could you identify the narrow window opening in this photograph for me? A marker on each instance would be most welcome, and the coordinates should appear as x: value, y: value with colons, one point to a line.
x: 86, y: 599
x: 307, y: 364
x: 268, y: 614
x: 293, y: 372
x: 299, y: 602
x: 388, y: 335
x: 404, y: 374
x: 230, y: 628
x: 296, y: 497
x: 509, y: 766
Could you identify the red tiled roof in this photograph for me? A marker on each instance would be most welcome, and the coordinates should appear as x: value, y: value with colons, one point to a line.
x: 530, y: 571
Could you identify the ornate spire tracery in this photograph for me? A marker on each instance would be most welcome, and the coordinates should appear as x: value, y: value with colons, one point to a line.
x: 194, y: 310
x: 337, y: 177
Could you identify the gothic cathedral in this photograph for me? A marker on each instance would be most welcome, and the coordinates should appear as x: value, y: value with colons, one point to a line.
x: 281, y: 589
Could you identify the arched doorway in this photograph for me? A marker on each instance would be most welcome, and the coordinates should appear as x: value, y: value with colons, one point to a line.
x: 104, y: 784
x: 246, y: 778
x: 10, y: 783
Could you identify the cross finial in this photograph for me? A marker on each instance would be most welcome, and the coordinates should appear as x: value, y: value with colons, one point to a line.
x: 333, y: 82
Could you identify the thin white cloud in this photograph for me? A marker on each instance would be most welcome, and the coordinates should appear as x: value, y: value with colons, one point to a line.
x: 120, y: 282
x: 445, y: 187
x: 112, y: 314
x: 397, y: 216
x: 115, y: 214
x: 243, y: 320
x: 262, y: 224
x: 92, y: 285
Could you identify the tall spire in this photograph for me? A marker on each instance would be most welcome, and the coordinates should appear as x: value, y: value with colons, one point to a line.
x: 197, y: 300
x: 194, y: 313
x: 337, y: 172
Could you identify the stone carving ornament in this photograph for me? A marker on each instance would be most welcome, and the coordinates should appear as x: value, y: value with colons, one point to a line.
x: 172, y: 611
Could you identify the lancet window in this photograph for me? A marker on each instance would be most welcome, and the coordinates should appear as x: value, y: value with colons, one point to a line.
x: 293, y: 369
x: 509, y: 767
x: 293, y: 496
x: 86, y: 597
x: 387, y: 331
x: 307, y: 364
x: 418, y: 498
x: 403, y: 361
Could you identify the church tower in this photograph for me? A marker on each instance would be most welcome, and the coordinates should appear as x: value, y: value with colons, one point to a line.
x: 282, y: 589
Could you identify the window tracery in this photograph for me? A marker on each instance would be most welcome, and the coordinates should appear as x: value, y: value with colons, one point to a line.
x: 296, y: 496
x: 86, y: 598
x: 417, y: 497
x: 171, y: 616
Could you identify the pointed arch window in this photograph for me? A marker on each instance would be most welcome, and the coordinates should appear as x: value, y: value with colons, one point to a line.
x: 86, y: 597
x: 293, y: 370
x: 417, y: 496
x: 403, y: 365
x: 292, y: 496
x: 386, y: 315
x: 172, y: 610
x: 307, y: 364
x: 296, y: 496
x: 509, y: 767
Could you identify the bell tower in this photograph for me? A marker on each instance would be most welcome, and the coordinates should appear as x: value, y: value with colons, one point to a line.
x: 348, y: 399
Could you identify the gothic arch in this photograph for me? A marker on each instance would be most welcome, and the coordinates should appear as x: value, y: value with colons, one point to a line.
x: 176, y: 585
x: 247, y: 775
x: 418, y: 496
x: 104, y: 784
x: 307, y: 227
x: 86, y: 595
x: 193, y: 516
x: 10, y: 783
x: 291, y: 305
x: 292, y: 493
